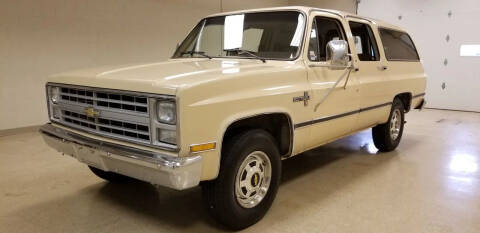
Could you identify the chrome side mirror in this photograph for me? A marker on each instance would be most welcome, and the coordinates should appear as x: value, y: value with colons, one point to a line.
x: 337, y: 54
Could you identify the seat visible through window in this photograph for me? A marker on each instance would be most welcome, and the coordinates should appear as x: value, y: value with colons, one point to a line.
x: 323, y: 31
x: 365, y: 42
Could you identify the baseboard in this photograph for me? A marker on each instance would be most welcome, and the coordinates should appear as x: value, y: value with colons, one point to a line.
x: 28, y: 129
x: 453, y: 110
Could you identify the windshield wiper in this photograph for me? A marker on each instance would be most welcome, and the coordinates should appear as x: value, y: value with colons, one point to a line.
x: 201, y: 53
x: 244, y: 51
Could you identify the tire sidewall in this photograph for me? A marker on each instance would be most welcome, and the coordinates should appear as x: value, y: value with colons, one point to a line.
x: 257, y: 140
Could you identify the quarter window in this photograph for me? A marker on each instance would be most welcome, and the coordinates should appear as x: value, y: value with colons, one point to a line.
x: 398, y: 45
x: 323, y: 31
x: 365, y: 43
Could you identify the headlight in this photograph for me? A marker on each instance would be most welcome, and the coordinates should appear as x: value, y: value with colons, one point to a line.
x: 166, y: 112
x: 164, y: 121
x: 56, y: 112
x: 54, y: 94
x: 168, y: 136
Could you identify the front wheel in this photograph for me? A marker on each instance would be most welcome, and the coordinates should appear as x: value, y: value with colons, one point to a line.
x: 386, y: 137
x: 247, y: 182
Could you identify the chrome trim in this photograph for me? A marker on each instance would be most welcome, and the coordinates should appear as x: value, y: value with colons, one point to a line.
x: 116, y: 114
x: 326, y: 11
x: 360, y: 18
x: 252, y: 182
x: 345, y: 114
x: 155, y: 124
x: 395, y: 124
x: 161, y: 169
x: 145, y: 94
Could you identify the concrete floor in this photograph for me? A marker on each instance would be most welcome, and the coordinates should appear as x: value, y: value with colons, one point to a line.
x: 431, y: 183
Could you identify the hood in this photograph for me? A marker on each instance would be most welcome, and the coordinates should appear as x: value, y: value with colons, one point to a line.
x: 162, y: 77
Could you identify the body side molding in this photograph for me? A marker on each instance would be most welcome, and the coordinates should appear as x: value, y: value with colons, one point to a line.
x: 328, y: 118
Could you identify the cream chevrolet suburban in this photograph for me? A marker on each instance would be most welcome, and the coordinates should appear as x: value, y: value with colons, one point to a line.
x: 242, y: 92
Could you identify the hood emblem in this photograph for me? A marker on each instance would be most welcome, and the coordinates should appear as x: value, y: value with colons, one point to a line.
x: 91, y: 112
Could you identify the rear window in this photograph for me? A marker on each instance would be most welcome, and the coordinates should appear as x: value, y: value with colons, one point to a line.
x: 398, y: 45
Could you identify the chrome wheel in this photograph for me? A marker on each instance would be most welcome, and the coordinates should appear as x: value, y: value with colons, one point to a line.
x: 395, y: 124
x: 253, y: 179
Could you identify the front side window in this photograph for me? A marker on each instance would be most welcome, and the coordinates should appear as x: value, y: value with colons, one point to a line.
x: 269, y: 35
x: 323, y: 31
x: 398, y: 46
x: 313, y: 43
x: 365, y: 42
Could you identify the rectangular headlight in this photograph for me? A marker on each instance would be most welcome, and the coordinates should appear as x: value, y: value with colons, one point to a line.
x: 54, y: 94
x: 53, y: 97
x: 163, y: 118
x: 166, y: 112
x: 167, y: 136
x: 56, y: 112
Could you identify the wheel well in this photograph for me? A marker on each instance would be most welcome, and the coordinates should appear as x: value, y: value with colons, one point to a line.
x: 277, y: 124
x: 406, y: 99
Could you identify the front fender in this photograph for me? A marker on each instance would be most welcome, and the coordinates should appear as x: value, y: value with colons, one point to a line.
x: 206, y: 109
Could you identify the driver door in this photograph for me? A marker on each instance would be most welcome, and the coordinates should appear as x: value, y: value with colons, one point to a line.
x: 334, y: 114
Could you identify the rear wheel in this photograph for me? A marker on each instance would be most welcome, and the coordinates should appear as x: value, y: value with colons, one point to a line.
x: 110, y: 176
x: 386, y: 137
x: 247, y: 182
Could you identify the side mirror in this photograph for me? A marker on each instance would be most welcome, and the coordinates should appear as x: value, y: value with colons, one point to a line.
x: 337, y: 54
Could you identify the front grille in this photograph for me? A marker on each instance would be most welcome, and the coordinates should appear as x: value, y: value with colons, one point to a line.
x: 119, y: 114
x: 79, y: 119
x: 114, y: 127
x: 104, y: 99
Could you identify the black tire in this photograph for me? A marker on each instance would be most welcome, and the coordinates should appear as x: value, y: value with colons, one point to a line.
x: 220, y: 194
x: 383, y: 138
x: 110, y: 176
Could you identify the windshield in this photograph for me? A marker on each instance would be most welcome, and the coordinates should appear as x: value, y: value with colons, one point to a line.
x: 265, y: 35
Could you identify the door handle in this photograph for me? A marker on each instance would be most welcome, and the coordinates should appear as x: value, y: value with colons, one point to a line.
x: 383, y: 67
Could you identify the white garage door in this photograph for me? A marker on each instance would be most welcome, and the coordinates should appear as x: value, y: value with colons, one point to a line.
x: 440, y: 29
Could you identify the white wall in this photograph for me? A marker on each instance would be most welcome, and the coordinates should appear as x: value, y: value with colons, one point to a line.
x: 429, y: 23
x: 42, y: 37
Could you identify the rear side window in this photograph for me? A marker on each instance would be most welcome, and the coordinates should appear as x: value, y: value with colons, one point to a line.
x: 398, y: 46
x: 365, y: 43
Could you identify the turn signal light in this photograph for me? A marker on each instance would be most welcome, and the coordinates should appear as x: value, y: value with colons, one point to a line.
x: 202, y: 147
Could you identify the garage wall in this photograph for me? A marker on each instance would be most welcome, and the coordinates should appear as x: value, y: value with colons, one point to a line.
x: 439, y: 28
x: 42, y: 37
x: 342, y: 5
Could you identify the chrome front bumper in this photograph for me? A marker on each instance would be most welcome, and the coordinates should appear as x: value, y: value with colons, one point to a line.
x: 173, y: 172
